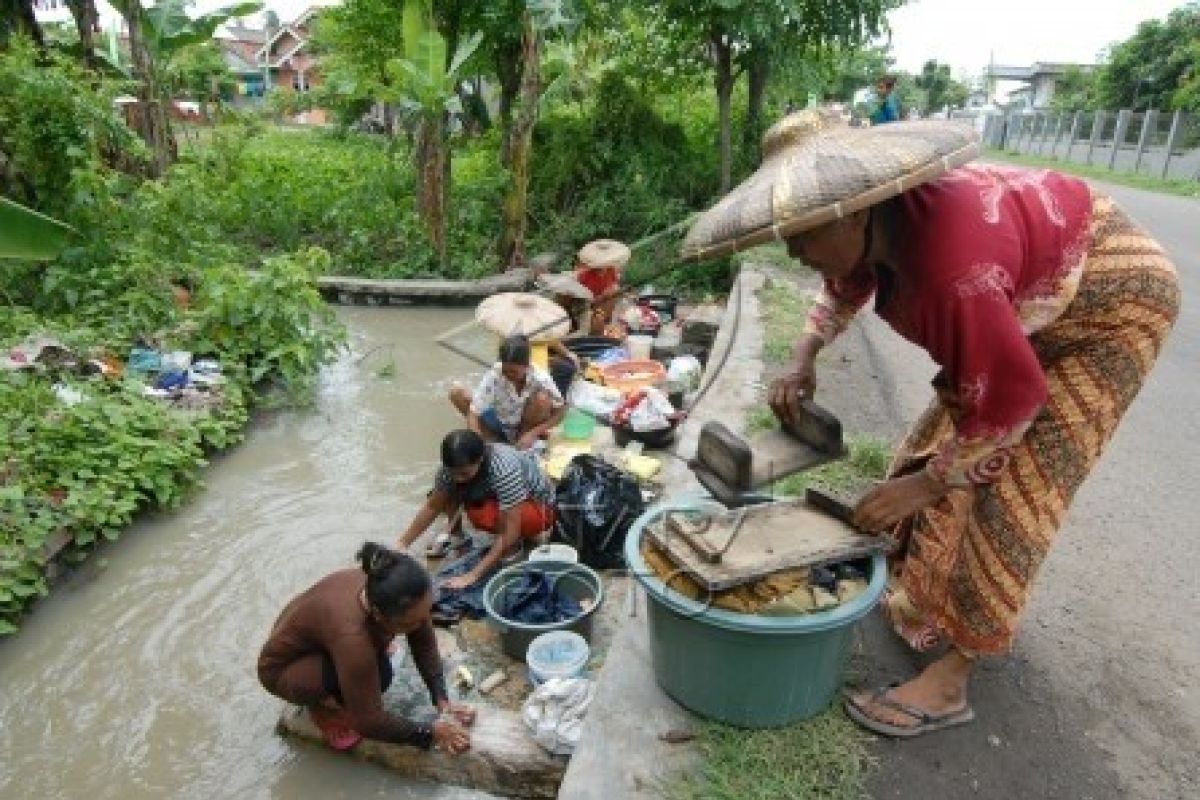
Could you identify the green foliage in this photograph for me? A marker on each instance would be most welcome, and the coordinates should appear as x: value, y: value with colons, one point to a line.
x: 639, y: 173
x: 199, y: 71
x: 1075, y: 90
x: 240, y: 319
x: 57, y: 125
x: 940, y: 87
x: 1158, y: 67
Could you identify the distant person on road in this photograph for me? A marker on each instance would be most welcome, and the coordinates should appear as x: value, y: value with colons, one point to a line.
x: 1045, y: 308
x: 887, y: 109
x: 330, y: 652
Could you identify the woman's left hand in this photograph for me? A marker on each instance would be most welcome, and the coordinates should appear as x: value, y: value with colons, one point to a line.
x: 459, y: 583
x: 895, y: 500
x: 462, y: 714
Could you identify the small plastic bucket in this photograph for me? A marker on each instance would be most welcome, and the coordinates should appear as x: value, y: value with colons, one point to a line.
x: 578, y: 425
x: 555, y: 551
x: 639, y: 346
x: 558, y: 654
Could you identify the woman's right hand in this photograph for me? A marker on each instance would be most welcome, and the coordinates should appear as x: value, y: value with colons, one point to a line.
x: 451, y: 737
x: 786, y: 392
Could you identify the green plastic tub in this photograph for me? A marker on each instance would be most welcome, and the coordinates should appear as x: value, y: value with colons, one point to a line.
x: 745, y: 669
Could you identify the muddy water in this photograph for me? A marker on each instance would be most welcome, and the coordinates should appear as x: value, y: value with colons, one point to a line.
x: 136, y: 678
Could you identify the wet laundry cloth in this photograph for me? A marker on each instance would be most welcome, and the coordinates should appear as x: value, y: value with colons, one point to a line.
x: 144, y: 359
x: 534, y: 600
x: 174, y: 379
x: 452, y: 605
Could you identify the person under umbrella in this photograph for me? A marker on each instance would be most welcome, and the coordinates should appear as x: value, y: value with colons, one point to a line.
x: 599, y: 269
x: 514, y: 403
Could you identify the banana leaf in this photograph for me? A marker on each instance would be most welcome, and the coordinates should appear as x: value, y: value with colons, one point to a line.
x: 26, y: 234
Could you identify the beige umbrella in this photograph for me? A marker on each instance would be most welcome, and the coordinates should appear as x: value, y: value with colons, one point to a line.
x: 512, y: 313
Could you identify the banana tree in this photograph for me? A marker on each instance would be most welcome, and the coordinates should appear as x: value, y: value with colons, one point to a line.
x: 541, y: 19
x: 156, y: 34
x: 425, y: 86
x: 26, y: 234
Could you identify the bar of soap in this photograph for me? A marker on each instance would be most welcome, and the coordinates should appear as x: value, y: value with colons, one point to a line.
x: 492, y: 681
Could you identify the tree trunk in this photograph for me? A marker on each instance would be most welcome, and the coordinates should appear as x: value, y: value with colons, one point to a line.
x: 87, y: 23
x: 722, y: 56
x: 431, y: 175
x: 508, y: 72
x: 516, y: 203
x: 26, y: 22
x: 154, y: 124
x: 758, y: 73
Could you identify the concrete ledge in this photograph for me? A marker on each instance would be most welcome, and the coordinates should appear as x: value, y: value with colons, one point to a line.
x: 379, y: 292
x: 623, y: 755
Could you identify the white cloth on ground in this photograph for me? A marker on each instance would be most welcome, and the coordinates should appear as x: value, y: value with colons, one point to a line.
x: 555, y: 713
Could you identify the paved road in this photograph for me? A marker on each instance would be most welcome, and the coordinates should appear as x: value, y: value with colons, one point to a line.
x: 1101, y: 697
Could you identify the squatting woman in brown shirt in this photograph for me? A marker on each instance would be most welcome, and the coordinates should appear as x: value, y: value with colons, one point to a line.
x: 329, y: 651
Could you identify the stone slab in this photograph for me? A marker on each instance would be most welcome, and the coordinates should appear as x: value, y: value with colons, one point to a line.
x: 374, y: 291
x: 503, y: 760
x: 622, y: 755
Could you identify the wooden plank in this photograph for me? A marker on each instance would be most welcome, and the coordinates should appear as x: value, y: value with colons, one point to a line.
x: 773, y: 537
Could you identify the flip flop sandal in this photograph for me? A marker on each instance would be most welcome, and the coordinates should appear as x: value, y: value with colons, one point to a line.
x: 444, y: 545
x: 334, y: 729
x: 925, y: 722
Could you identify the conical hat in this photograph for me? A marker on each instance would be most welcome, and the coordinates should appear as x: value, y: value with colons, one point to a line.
x: 511, y: 313
x: 604, y: 253
x: 816, y: 169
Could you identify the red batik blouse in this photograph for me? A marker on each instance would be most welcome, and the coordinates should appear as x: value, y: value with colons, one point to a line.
x: 988, y: 256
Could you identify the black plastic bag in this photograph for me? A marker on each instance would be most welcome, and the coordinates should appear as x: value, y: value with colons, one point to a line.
x: 596, y: 505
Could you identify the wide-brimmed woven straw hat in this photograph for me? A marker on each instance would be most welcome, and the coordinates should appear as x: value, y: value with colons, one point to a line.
x: 604, y: 253
x: 512, y: 313
x: 816, y: 169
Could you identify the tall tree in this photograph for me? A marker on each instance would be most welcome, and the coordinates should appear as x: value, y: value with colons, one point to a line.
x: 1074, y: 90
x: 1146, y: 70
x: 156, y: 35
x: 87, y: 23
x: 17, y: 16
x: 540, y: 20
x: 356, y: 42
x: 749, y: 35
x: 941, y: 89
x: 426, y: 81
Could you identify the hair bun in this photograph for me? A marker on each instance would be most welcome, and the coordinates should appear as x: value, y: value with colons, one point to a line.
x: 376, y: 560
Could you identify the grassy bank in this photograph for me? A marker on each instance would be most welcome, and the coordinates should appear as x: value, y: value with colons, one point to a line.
x: 1175, y: 186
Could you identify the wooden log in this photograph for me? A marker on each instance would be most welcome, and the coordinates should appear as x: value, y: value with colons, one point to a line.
x: 503, y: 759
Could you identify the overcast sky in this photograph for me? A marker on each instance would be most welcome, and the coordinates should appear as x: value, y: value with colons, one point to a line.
x: 965, y: 33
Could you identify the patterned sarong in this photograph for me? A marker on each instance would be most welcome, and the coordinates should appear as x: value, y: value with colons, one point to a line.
x: 967, y: 564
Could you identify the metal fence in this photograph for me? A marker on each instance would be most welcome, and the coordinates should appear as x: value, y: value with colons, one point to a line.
x: 1164, y: 145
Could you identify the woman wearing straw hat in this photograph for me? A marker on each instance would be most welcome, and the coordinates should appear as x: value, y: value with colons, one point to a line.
x: 1045, y: 308
x: 599, y: 270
